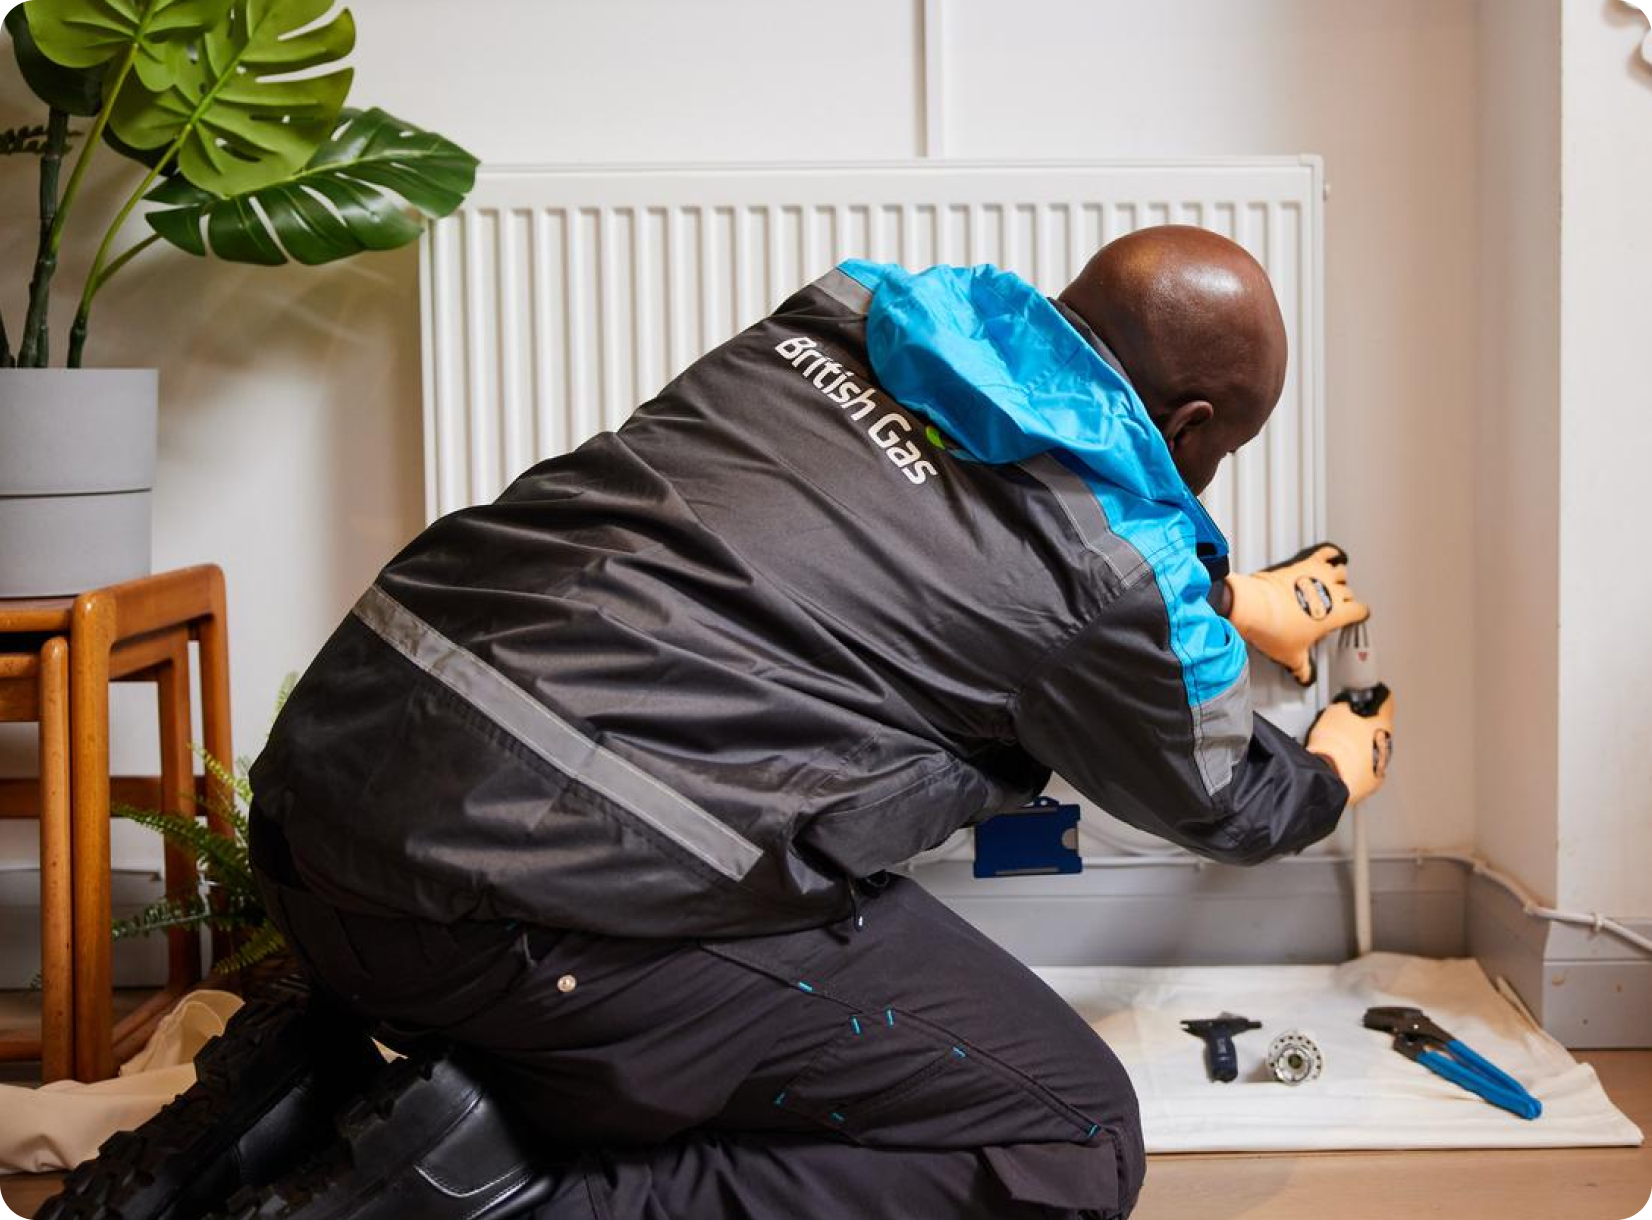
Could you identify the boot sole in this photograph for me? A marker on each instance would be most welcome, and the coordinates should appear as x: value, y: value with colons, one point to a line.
x: 180, y: 1163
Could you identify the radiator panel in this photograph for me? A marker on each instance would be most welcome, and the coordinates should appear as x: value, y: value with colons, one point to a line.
x: 557, y: 300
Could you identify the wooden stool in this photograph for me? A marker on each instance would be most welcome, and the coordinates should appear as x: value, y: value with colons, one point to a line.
x: 135, y: 631
x: 34, y: 686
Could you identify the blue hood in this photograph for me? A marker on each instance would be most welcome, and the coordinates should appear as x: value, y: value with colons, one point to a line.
x: 982, y: 354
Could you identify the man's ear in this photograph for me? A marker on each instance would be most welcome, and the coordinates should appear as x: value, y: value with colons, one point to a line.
x: 1184, y: 421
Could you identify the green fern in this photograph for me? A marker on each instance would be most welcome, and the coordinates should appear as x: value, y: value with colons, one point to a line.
x: 234, y: 782
x: 284, y: 691
x: 164, y: 914
x: 223, y: 860
x: 262, y: 943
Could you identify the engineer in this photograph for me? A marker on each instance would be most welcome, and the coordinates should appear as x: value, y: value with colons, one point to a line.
x: 589, y: 804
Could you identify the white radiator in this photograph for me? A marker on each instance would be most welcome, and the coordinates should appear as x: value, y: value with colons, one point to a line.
x: 557, y: 300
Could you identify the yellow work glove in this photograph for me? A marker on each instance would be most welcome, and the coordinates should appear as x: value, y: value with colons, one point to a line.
x: 1286, y: 609
x: 1358, y: 745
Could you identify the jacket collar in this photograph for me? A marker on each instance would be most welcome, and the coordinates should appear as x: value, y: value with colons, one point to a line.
x: 1077, y: 322
x: 1004, y: 371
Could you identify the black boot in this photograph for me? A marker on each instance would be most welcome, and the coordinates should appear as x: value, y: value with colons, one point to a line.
x: 265, y: 1095
x: 426, y: 1142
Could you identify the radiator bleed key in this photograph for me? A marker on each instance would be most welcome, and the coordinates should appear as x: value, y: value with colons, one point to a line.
x: 1221, y: 1061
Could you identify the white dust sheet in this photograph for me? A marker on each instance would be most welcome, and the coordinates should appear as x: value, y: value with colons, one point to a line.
x: 1369, y: 1095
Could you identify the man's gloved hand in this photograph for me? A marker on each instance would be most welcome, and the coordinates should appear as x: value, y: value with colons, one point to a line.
x: 1286, y: 609
x: 1358, y: 746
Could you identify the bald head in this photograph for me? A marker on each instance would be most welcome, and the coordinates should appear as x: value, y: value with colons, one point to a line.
x: 1193, y: 320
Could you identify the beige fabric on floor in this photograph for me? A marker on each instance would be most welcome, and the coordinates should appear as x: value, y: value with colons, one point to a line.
x: 1369, y: 1096
x: 58, y: 1125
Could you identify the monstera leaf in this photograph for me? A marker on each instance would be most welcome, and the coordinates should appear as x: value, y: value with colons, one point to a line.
x: 343, y: 202
x: 240, y: 119
x: 83, y: 34
x: 72, y: 90
x: 76, y: 91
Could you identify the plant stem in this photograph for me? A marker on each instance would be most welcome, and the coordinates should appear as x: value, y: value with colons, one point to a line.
x: 92, y: 139
x: 77, y: 339
x: 96, y: 277
x: 125, y: 257
x: 94, y: 282
x: 54, y: 237
x: 34, y: 351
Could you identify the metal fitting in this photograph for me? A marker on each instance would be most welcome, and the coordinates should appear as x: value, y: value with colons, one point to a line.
x: 1293, y: 1058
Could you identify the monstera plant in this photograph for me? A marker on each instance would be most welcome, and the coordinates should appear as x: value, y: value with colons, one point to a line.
x: 232, y: 115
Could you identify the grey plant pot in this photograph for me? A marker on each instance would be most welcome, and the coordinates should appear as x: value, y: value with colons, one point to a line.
x: 77, y: 464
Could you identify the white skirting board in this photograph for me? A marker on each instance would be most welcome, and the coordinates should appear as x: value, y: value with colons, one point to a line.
x: 1369, y: 1096
x: 1587, y: 988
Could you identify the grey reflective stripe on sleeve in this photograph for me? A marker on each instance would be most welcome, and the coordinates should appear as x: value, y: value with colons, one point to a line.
x: 1222, y: 732
x: 846, y: 290
x: 554, y: 739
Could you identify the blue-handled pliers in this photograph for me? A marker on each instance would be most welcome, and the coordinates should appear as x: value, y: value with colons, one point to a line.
x: 1420, y: 1040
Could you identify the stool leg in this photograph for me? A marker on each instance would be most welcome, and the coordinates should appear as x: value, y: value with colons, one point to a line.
x: 213, y: 633
x: 177, y: 796
x: 92, y: 628
x: 56, y: 911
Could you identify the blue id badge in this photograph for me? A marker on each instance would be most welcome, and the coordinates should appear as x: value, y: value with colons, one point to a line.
x: 1039, y: 839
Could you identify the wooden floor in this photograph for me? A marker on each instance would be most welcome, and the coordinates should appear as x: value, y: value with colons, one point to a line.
x: 20, y: 1018
x: 1582, y: 1184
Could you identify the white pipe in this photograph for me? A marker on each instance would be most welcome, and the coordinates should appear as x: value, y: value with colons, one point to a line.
x: 1355, y: 672
x: 1362, y: 884
x: 1531, y: 906
x: 1528, y: 904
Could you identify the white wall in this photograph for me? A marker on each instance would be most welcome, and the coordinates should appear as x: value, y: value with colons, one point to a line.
x: 290, y: 447
x: 1516, y: 464
x: 1562, y: 661
x: 1605, y: 586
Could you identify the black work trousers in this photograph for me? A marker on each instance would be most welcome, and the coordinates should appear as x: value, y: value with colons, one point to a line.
x: 905, y: 1068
